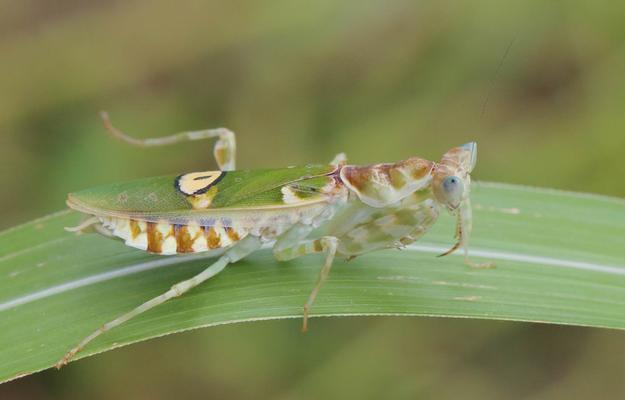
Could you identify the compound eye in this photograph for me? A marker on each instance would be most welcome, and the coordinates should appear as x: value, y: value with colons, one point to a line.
x: 454, y: 188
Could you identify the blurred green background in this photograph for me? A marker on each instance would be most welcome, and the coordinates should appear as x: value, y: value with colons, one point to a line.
x: 540, y: 85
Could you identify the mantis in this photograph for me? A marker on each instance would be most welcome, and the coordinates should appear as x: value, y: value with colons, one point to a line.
x: 336, y: 209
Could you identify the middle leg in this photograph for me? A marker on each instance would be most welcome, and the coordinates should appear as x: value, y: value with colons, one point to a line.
x: 325, y: 244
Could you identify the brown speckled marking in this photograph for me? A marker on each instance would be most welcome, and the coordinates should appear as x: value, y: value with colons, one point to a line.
x: 398, y: 180
x: 318, y: 246
x: 232, y: 234
x: 155, y: 238
x: 362, y: 178
x: 358, y: 177
x: 184, y: 241
x: 421, y: 168
x: 212, y: 238
x: 122, y: 198
x: 135, y: 230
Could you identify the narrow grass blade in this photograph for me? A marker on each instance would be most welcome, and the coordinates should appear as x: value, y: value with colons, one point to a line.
x: 560, y: 259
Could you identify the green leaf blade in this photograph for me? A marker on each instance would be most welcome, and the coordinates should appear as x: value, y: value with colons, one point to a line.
x: 559, y: 256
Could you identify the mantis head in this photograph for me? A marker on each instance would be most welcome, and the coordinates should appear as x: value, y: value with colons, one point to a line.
x: 451, y: 179
x: 451, y: 184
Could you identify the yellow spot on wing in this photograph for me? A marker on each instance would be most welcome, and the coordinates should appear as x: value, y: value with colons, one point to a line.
x: 289, y: 196
x: 195, y: 183
x: 203, y: 200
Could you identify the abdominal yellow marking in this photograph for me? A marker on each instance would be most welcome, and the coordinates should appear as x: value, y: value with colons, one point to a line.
x: 212, y: 238
x: 137, y: 234
x: 232, y: 234
x: 223, y: 236
x: 155, y: 238
x: 169, y: 238
x: 184, y: 242
x: 135, y: 230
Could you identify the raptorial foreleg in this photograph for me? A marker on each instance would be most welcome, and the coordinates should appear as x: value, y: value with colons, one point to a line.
x: 464, y: 226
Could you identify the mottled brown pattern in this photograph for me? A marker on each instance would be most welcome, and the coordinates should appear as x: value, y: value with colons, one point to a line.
x: 135, y: 230
x: 358, y: 177
x: 362, y: 177
x: 398, y: 180
x: 318, y: 246
x: 232, y: 234
x: 212, y: 238
x: 184, y: 241
x: 155, y: 238
x: 455, y: 157
x: 420, y: 167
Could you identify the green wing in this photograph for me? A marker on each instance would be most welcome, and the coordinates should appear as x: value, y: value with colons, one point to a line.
x: 231, y: 189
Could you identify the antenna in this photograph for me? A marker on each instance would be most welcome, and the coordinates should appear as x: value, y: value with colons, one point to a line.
x: 492, y: 82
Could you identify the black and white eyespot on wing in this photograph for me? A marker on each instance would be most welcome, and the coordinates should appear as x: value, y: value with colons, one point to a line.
x: 195, y: 183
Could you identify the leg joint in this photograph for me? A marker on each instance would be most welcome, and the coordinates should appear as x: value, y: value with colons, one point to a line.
x: 178, y: 289
x: 329, y: 243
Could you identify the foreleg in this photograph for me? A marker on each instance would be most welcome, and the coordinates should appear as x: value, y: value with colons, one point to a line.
x: 464, y: 225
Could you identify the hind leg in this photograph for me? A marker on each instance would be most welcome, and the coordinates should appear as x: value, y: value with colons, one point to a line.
x: 237, y: 252
x: 87, y: 224
x: 224, y: 150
